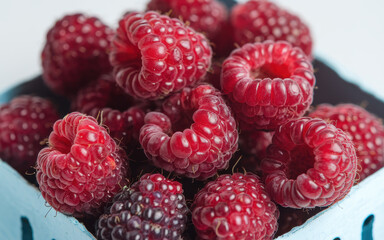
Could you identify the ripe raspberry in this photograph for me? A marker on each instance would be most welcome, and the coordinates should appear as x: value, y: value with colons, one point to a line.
x: 152, y: 208
x: 24, y: 123
x: 260, y: 20
x: 75, y: 53
x: 310, y: 163
x: 154, y: 55
x: 205, y: 16
x: 365, y: 130
x: 267, y: 84
x: 201, y: 138
x: 118, y: 111
x: 234, y: 207
x: 82, y: 168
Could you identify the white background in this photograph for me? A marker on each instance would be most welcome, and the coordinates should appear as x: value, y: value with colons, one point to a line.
x: 349, y: 34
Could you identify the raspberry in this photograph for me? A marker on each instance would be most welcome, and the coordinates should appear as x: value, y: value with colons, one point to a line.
x: 310, y: 163
x: 82, y: 168
x: 257, y: 21
x: 234, y: 207
x: 119, y: 112
x: 201, y: 138
x: 365, y: 130
x: 154, y: 55
x: 152, y: 208
x: 205, y: 16
x: 267, y: 84
x: 24, y: 123
x: 75, y: 53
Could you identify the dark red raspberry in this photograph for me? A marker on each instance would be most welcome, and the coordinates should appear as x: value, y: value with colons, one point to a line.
x: 260, y: 20
x: 201, y: 138
x: 234, y: 207
x: 24, y: 123
x: 82, y: 168
x: 310, y: 163
x: 365, y: 130
x: 75, y: 53
x: 152, y: 208
x: 206, y: 16
x: 122, y: 116
x: 267, y: 84
x: 154, y: 55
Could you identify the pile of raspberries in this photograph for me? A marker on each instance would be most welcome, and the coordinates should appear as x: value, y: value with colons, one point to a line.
x: 189, y: 120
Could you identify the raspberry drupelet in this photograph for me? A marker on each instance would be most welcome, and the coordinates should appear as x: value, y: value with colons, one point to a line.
x: 195, y: 138
x: 154, y: 55
x: 119, y: 112
x: 260, y: 20
x: 209, y: 17
x: 267, y: 84
x: 234, y: 207
x: 365, y: 130
x: 310, y: 163
x: 82, y: 168
x: 152, y: 208
x: 75, y: 53
x: 24, y: 123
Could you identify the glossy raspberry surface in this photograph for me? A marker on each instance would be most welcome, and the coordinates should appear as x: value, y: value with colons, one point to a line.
x: 75, y: 53
x: 154, y: 55
x: 234, y: 207
x: 209, y: 17
x: 119, y: 113
x: 25, y: 122
x: 310, y: 163
x: 267, y: 84
x: 82, y: 168
x: 152, y: 208
x: 260, y: 20
x: 196, y: 138
x: 365, y: 130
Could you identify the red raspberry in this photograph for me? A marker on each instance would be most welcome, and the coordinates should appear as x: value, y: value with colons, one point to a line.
x: 154, y: 55
x: 24, y: 123
x: 267, y: 84
x: 152, y: 208
x: 205, y: 16
x: 75, y: 53
x: 365, y: 130
x: 200, y: 143
x: 118, y: 111
x: 260, y: 20
x: 310, y: 163
x: 82, y: 168
x: 234, y: 207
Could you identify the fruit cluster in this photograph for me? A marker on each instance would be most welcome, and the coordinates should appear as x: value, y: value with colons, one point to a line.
x: 167, y: 91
